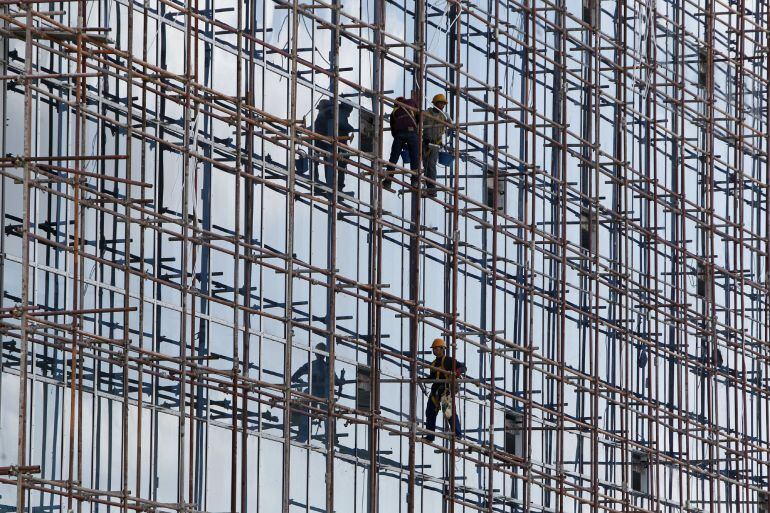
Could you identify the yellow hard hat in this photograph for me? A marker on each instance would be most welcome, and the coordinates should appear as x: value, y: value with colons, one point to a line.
x: 439, y: 98
x: 438, y: 342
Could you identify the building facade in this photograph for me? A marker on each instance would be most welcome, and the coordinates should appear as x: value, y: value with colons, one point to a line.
x: 211, y: 302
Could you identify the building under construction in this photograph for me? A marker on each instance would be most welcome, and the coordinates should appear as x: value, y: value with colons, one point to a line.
x: 196, y: 317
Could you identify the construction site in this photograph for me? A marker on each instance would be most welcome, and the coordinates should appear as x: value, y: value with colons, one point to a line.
x: 244, y: 270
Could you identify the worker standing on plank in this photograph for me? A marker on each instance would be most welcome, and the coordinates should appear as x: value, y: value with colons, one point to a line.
x: 444, y: 370
x: 319, y: 374
x: 434, y: 125
x: 324, y: 125
x: 403, y: 125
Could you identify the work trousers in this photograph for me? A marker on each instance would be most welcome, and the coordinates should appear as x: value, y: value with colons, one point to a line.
x: 432, y: 411
x: 329, y: 166
x: 430, y: 156
x: 403, y: 140
x: 302, y: 419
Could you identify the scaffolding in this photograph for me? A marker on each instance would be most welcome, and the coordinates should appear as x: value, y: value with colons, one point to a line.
x: 196, y: 318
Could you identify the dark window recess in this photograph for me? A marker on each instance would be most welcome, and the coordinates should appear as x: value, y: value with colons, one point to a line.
x: 589, y: 11
x: 763, y: 502
x: 703, y: 282
x: 639, y: 472
x: 711, y: 357
x: 490, y: 196
x: 703, y: 67
x: 514, y: 433
x: 587, y: 229
x: 366, y: 125
x: 642, y: 358
x: 363, y: 387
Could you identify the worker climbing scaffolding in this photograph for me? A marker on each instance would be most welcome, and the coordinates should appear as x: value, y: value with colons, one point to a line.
x: 324, y: 125
x: 434, y: 126
x: 319, y: 376
x: 405, y: 129
x: 443, y: 374
x: 408, y: 142
x: 403, y: 125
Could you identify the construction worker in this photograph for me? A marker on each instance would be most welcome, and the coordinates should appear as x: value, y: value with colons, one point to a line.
x: 324, y: 125
x: 443, y: 371
x: 319, y: 374
x: 403, y: 126
x: 434, y: 125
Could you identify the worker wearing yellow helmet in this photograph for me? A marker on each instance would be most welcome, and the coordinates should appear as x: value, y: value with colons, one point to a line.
x: 444, y: 371
x: 434, y: 126
x: 440, y: 101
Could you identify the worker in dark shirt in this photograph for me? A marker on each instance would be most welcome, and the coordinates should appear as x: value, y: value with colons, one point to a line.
x: 324, y: 125
x: 319, y: 373
x: 444, y: 370
x: 403, y: 126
